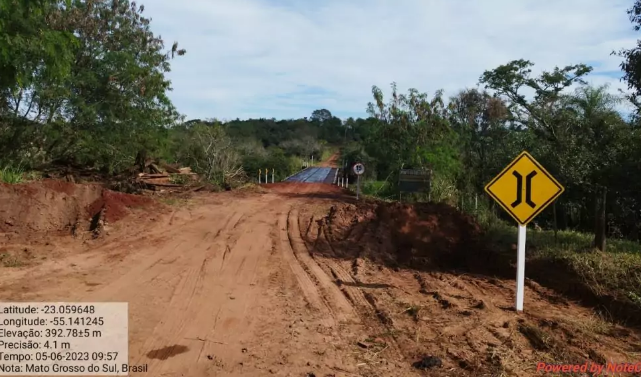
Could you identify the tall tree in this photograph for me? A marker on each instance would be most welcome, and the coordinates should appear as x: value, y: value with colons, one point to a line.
x: 631, y: 64
x: 118, y: 101
x: 601, y: 132
x: 545, y: 114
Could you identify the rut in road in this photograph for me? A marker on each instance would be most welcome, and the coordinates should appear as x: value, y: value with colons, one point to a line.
x: 344, y: 280
x: 305, y: 282
x: 214, y: 289
x: 340, y: 306
x: 190, y: 299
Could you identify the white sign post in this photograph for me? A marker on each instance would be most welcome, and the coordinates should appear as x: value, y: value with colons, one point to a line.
x: 520, y: 268
x: 358, y: 169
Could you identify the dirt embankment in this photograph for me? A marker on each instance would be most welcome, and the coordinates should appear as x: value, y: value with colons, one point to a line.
x: 431, y: 237
x: 420, y: 236
x: 54, y: 206
x: 405, y: 262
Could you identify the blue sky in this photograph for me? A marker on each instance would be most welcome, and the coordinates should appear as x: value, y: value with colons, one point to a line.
x: 286, y: 58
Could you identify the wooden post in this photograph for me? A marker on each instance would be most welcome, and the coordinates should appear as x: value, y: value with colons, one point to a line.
x: 556, y: 226
x: 600, y: 222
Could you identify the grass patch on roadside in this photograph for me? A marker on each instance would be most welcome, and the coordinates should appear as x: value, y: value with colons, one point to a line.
x: 327, y: 153
x: 11, y: 175
x: 9, y: 260
x: 611, y: 275
x: 377, y: 189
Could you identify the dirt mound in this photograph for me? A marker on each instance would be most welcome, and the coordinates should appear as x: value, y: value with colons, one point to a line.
x: 420, y: 235
x: 116, y: 205
x: 57, y: 206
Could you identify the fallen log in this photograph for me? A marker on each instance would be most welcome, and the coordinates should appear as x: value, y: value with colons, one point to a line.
x: 169, y: 168
x: 153, y: 175
x: 154, y: 168
x: 164, y: 185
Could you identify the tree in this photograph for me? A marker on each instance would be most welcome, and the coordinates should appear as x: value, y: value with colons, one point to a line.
x: 321, y: 116
x: 480, y: 121
x: 111, y: 101
x: 33, y: 45
x: 601, y: 132
x: 545, y: 115
x: 631, y: 64
x: 406, y: 125
x: 210, y: 151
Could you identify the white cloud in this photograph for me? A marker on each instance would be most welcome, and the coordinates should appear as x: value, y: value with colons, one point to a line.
x: 254, y: 58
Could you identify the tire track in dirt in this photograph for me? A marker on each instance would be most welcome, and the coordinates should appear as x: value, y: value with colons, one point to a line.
x: 306, y: 284
x: 188, y: 297
x: 151, y: 268
x: 364, y: 302
x: 218, y: 315
x: 346, y: 283
x: 338, y: 302
x: 343, y: 279
x: 215, y: 329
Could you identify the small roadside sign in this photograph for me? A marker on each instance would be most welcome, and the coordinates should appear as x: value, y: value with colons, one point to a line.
x: 414, y: 180
x: 524, y: 189
x: 359, y: 169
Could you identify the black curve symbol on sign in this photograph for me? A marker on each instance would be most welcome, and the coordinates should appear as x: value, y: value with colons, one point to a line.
x: 528, y: 189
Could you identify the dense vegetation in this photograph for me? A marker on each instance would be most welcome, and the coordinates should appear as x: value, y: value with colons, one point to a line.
x: 82, y: 83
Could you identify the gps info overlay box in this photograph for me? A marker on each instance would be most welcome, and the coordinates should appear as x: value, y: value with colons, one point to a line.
x: 56, y: 339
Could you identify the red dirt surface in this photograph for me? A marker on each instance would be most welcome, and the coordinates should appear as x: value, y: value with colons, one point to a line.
x: 419, y: 236
x: 330, y: 162
x: 56, y: 206
x: 60, y: 186
x: 465, y: 319
x: 247, y: 283
x: 47, y: 206
x: 117, y: 205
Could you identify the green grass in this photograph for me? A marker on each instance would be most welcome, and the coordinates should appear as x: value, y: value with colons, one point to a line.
x: 327, y: 153
x: 615, y: 273
x: 377, y: 189
x: 566, y: 240
x: 178, y: 179
x: 11, y: 175
x: 8, y: 260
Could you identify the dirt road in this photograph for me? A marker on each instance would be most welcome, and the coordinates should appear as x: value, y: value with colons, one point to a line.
x: 248, y: 283
x: 216, y: 288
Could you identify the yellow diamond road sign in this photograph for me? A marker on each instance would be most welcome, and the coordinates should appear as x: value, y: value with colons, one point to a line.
x: 524, y: 188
